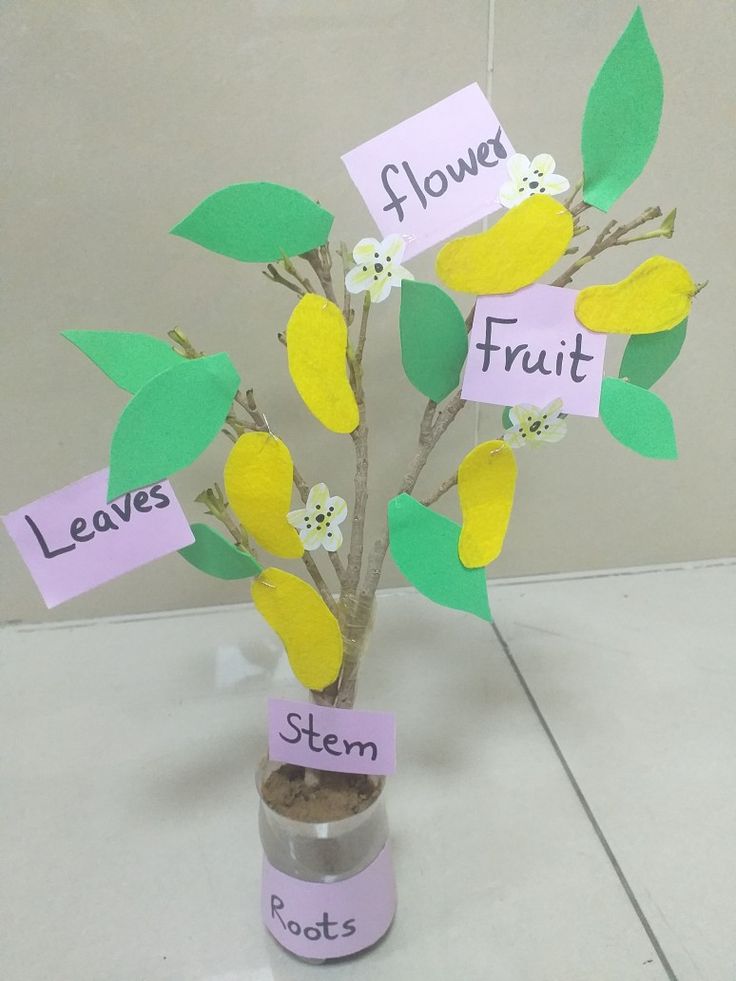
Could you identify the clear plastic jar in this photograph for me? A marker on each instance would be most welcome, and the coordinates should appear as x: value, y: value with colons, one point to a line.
x: 328, y: 852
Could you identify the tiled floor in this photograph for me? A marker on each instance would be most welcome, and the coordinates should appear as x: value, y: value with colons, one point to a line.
x: 564, y: 808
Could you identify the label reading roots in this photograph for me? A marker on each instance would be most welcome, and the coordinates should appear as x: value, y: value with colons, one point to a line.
x: 330, y: 919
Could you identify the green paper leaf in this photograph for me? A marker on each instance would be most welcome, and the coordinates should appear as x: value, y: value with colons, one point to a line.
x: 638, y: 418
x: 424, y: 547
x: 257, y: 222
x: 506, y: 418
x: 170, y: 421
x: 215, y: 555
x: 129, y: 359
x: 648, y: 356
x: 622, y: 116
x: 434, y: 339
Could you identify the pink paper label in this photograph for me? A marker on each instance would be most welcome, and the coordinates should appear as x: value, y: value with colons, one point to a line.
x: 327, y: 738
x: 528, y: 347
x: 330, y: 919
x: 73, y: 540
x: 435, y: 173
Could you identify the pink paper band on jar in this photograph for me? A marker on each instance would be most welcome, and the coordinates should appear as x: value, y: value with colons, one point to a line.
x: 330, y: 919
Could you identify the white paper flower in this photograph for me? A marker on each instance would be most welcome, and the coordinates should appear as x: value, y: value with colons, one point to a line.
x: 528, y: 179
x: 377, y: 268
x: 318, y: 522
x: 532, y: 426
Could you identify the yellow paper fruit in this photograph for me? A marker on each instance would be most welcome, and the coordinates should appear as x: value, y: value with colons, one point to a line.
x: 523, y: 245
x: 308, y: 630
x: 258, y: 478
x: 655, y: 296
x: 485, y: 485
x: 316, y: 342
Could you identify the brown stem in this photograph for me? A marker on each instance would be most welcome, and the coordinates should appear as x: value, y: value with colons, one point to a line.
x: 319, y: 582
x: 321, y: 261
x: 363, y: 333
x: 293, y: 271
x: 611, y: 235
x: 573, y: 193
x: 347, y: 264
x: 432, y: 428
x: 359, y: 437
x: 247, y: 402
x: 272, y: 273
x: 443, y: 488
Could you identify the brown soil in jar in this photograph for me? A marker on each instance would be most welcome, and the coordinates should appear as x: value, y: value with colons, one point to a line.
x: 335, y: 796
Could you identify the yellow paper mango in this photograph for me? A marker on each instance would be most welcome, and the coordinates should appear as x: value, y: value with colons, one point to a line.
x: 308, y: 630
x: 655, y: 296
x: 258, y: 478
x: 523, y: 245
x: 485, y: 485
x: 316, y: 342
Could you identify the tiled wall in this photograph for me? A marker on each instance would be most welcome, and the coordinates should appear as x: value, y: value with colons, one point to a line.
x: 119, y: 117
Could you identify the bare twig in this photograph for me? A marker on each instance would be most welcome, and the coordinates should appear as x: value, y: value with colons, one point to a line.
x: 272, y: 273
x: 347, y: 265
x: 293, y: 271
x: 435, y: 422
x: 363, y: 328
x: 319, y: 582
x: 259, y: 423
x: 321, y: 261
x: 611, y: 235
x: 573, y: 194
x: 217, y: 506
x: 579, y: 208
x: 359, y: 437
x: 443, y: 488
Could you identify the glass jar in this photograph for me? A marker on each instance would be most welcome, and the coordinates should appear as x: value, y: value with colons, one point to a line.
x: 328, y: 886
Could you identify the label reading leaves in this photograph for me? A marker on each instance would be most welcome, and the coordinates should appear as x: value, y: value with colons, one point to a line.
x: 435, y: 173
x: 529, y: 347
x: 73, y: 540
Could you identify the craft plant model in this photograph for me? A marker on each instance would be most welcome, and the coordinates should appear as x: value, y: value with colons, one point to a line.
x: 534, y: 349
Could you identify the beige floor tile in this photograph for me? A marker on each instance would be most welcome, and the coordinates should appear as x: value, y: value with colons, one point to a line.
x: 130, y: 848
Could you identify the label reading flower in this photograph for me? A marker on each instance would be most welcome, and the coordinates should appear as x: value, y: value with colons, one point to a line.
x: 528, y: 346
x: 435, y: 173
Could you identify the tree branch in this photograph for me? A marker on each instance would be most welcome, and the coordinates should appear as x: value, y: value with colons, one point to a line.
x: 363, y: 333
x: 347, y: 265
x: 435, y: 423
x: 259, y: 423
x: 272, y: 273
x: 359, y: 437
x: 321, y: 261
x: 443, y: 488
x: 610, y: 236
x: 319, y: 582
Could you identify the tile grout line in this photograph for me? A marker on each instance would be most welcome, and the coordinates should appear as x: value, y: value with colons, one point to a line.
x: 620, y: 874
x: 513, y: 581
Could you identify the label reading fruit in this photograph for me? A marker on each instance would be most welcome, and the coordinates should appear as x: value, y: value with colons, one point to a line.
x: 528, y: 347
x: 435, y: 173
x: 329, y: 919
x: 327, y: 738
